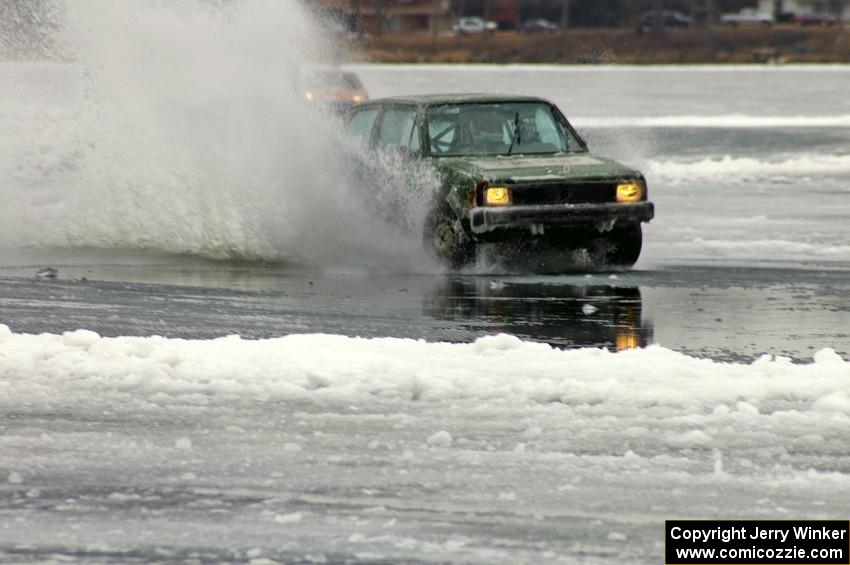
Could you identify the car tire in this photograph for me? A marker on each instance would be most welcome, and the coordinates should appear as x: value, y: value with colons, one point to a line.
x: 445, y: 238
x: 625, y: 244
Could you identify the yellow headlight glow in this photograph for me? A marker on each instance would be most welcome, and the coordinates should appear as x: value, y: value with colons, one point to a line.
x: 497, y: 196
x: 629, y: 192
x: 308, y: 95
x: 627, y: 340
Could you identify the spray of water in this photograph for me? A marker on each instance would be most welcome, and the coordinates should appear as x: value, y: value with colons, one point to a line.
x: 179, y: 127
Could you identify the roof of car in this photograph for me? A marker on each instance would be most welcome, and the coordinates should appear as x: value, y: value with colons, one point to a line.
x: 438, y: 99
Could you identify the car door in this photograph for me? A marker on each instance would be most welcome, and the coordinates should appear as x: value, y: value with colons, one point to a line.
x: 360, y: 126
x: 398, y: 144
x: 399, y: 131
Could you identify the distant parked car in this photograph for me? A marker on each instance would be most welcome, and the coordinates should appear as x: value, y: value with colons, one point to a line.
x: 669, y: 19
x: 815, y: 20
x: 748, y: 16
x: 539, y: 26
x: 474, y: 25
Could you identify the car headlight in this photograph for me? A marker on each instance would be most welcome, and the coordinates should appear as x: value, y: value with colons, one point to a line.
x: 497, y: 196
x: 308, y: 95
x: 629, y: 192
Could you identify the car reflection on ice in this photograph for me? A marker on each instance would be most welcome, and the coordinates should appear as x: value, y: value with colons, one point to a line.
x: 561, y: 315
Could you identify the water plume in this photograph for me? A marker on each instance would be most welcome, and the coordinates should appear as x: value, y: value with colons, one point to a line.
x: 180, y: 127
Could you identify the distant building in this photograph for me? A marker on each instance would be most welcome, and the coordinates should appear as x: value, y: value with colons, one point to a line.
x: 375, y: 16
x: 805, y: 7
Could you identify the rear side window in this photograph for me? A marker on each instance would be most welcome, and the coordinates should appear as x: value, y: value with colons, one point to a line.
x: 398, y: 127
x: 361, y: 123
x: 352, y: 81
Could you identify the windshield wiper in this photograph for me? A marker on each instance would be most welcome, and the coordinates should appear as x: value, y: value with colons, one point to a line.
x: 516, y: 138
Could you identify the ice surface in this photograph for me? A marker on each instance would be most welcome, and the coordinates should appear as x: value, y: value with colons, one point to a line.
x: 643, y: 95
x: 721, y: 121
x: 440, y: 439
x: 183, y: 443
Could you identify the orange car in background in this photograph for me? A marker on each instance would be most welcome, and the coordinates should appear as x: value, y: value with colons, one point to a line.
x: 334, y: 89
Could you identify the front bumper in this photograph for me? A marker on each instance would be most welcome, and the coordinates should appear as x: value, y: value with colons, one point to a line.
x: 486, y: 219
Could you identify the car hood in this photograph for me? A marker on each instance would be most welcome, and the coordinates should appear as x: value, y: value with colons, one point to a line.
x: 536, y: 168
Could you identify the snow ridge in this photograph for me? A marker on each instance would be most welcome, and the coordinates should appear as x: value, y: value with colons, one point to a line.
x: 81, y: 366
x: 732, y: 168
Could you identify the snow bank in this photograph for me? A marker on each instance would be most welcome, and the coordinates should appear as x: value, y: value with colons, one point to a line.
x: 731, y: 121
x: 758, y: 249
x: 77, y: 367
x: 731, y: 168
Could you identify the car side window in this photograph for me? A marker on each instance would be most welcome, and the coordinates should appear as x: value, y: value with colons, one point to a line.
x: 398, y: 127
x: 362, y: 122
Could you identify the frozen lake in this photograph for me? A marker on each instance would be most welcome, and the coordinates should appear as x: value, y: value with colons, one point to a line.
x: 325, y: 448
x: 465, y: 445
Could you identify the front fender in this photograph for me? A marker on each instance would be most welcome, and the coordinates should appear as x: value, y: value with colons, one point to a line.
x: 454, y: 190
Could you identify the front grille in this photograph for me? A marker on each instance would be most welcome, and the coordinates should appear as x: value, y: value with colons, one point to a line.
x: 574, y: 193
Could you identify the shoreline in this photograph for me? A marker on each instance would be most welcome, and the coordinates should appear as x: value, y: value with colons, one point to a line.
x: 616, y: 46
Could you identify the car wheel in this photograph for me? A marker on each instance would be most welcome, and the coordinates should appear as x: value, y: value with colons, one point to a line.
x: 624, y: 246
x: 445, y: 238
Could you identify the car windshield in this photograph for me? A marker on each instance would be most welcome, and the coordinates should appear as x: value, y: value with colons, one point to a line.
x: 498, y: 128
x: 336, y: 80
